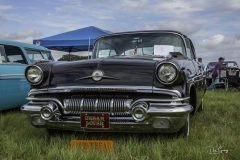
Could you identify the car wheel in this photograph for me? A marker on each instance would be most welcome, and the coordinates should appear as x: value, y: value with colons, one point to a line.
x: 200, y: 108
x: 184, y: 131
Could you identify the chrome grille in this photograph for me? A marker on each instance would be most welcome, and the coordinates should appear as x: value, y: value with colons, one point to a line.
x: 94, y: 103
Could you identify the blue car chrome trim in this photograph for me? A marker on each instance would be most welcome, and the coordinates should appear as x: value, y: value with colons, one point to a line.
x: 4, y: 75
x: 11, y: 77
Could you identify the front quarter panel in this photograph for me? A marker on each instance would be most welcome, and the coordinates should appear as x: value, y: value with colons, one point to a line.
x: 14, y: 85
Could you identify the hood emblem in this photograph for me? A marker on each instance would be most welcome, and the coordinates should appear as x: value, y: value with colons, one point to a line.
x: 97, y: 75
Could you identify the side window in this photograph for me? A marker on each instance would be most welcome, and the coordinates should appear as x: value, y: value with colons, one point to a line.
x: 193, y: 50
x: 2, y: 58
x: 36, y: 55
x: 14, y: 54
x: 189, y: 50
x: 46, y: 55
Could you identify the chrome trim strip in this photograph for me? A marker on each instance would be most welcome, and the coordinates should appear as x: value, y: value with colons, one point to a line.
x: 160, y: 100
x: 46, y: 99
x: 169, y: 104
x: 112, y: 101
x: 12, y: 78
x: 83, y: 78
x: 175, y: 111
x: 108, y: 77
x: 167, y: 91
x: 147, y: 89
x: 4, y: 75
x: 13, y: 63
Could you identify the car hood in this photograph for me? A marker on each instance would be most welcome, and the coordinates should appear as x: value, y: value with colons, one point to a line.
x: 117, y: 71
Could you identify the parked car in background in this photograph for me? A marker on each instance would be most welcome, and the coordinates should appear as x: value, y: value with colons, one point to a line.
x: 229, y: 70
x: 142, y: 81
x: 15, y: 56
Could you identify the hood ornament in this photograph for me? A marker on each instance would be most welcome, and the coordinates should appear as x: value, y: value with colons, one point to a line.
x: 97, y: 75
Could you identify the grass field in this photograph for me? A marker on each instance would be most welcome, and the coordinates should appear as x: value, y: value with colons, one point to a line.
x: 216, y: 127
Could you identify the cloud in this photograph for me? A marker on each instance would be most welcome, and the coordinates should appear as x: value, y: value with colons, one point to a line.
x: 179, y: 8
x: 174, y: 25
x: 67, y: 29
x: 104, y: 17
x: 212, y: 42
x: 3, y: 7
x: 58, y: 9
x: 238, y: 36
x: 22, y: 36
x: 2, y: 18
x: 220, y: 43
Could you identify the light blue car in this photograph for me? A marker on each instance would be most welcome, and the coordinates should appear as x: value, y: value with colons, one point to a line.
x: 15, y: 56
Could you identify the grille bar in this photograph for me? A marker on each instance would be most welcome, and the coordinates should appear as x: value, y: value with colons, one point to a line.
x: 90, y: 103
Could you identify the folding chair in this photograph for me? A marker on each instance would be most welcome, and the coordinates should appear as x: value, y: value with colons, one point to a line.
x: 223, y: 82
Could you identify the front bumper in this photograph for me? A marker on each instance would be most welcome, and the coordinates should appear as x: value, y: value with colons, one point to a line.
x: 161, y: 118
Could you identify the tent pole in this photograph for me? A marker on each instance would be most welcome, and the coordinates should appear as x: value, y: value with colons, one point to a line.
x: 88, y: 46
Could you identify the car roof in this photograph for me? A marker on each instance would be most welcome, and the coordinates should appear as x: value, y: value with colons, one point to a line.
x: 224, y: 62
x: 143, y: 31
x: 24, y: 45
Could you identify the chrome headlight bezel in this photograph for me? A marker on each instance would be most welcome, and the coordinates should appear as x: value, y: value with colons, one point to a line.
x: 173, y: 79
x: 41, y: 74
x: 139, y: 111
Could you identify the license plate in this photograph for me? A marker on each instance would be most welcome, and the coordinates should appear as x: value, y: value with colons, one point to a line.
x: 106, y: 145
x: 95, y: 120
x: 232, y: 73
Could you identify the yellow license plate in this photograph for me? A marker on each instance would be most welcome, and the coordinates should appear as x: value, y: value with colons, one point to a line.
x: 106, y: 145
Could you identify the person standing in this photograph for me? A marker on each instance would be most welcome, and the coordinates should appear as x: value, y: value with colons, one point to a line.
x: 200, y: 61
x: 216, y: 71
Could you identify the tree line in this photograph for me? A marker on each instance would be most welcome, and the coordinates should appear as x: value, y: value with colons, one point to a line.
x: 73, y: 57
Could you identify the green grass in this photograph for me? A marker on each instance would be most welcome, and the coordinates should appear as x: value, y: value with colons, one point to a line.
x: 218, y: 125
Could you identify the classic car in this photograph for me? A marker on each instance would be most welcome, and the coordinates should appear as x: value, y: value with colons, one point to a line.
x: 229, y: 70
x: 15, y: 56
x: 140, y: 81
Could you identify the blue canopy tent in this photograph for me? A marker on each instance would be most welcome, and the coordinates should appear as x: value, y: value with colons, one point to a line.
x: 72, y: 41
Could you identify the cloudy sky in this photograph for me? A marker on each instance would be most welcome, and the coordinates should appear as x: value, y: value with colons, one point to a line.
x: 213, y: 25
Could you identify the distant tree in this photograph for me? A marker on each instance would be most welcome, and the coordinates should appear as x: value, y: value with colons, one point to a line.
x: 73, y: 57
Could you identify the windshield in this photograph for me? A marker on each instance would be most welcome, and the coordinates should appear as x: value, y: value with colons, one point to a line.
x: 38, y: 55
x: 231, y: 64
x: 138, y: 44
x: 211, y: 65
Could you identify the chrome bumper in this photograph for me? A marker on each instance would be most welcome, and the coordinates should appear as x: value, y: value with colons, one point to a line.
x: 160, y: 118
x: 160, y: 114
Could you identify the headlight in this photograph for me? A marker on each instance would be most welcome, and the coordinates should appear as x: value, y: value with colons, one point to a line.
x: 34, y: 75
x: 167, y: 73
